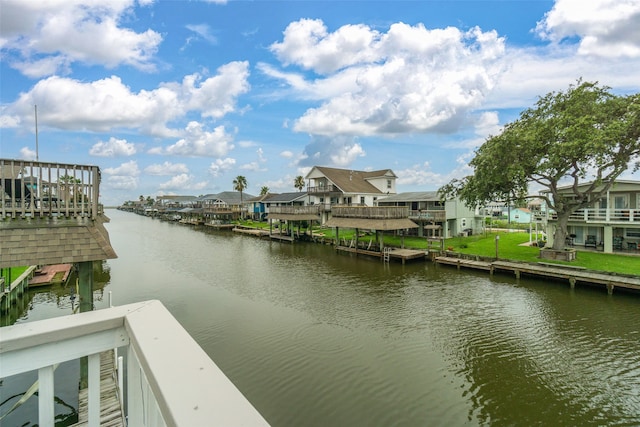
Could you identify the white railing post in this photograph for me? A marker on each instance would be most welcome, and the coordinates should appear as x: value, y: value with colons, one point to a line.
x: 45, y: 397
x: 94, y: 390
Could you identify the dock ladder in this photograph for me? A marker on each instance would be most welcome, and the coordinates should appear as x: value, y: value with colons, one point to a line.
x: 386, y: 251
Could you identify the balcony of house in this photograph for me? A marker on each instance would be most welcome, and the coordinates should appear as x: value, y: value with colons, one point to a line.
x: 169, y: 379
x: 370, y: 212
x: 312, y: 210
x: 323, y: 189
x: 603, y: 216
x: 431, y: 215
x: 220, y: 210
x: 42, y: 189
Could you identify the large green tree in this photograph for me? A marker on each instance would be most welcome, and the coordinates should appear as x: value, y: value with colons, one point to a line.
x: 584, y: 135
x: 240, y: 184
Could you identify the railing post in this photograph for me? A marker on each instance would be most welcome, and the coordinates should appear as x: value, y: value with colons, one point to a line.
x: 45, y: 397
x: 94, y: 390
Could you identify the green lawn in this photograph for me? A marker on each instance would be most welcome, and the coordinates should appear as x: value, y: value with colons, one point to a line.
x: 509, y: 247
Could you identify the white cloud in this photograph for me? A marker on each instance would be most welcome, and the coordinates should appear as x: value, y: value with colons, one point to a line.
x: 410, y: 79
x: 123, y: 177
x: 108, y: 104
x: 606, y: 28
x: 113, y: 148
x: 338, y: 151
x: 198, y: 142
x: 204, y: 31
x: 125, y: 169
x: 42, y: 38
x: 166, y: 168
x: 287, y: 154
x: 221, y: 165
x: 27, y: 154
x: 182, y: 182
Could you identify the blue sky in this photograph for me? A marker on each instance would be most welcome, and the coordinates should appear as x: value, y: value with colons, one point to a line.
x: 180, y: 97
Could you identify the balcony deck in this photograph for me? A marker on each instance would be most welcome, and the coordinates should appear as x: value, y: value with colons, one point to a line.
x: 160, y: 392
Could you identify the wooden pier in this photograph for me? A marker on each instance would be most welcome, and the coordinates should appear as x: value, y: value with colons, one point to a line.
x: 403, y: 255
x: 51, y: 275
x: 547, y: 270
x: 252, y: 231
x: 111, y: 414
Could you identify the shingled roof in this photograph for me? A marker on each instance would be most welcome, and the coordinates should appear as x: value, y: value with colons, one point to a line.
x: 353, y: 181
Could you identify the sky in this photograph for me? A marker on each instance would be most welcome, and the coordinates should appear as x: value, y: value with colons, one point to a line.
x: 181, y: 97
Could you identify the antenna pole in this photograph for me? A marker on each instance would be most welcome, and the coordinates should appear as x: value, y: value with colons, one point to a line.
x: 36, y: 111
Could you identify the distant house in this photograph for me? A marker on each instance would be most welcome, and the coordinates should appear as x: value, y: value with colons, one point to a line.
x: 346, y: 187
x: 435, y: 217
x: 611, y: 224
x: 225, y: 206
x: 520, y: 215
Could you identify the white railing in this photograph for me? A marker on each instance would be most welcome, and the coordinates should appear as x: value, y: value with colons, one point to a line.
x: 604, y: 215
x: 170, y: 380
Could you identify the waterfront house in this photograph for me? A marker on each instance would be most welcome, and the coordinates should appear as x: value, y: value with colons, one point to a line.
x: 521, y: 215
x: 611, y: 224
x: 226, y: 206
x: 329, y: 187
x: 436, y: 218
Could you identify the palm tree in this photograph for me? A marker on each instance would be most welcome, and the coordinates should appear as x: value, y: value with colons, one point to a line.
x: 264, y: 190
x: 299, y: 182
x: 239, y: 184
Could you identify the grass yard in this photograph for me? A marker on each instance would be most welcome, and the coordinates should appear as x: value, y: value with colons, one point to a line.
x: 510, y: 246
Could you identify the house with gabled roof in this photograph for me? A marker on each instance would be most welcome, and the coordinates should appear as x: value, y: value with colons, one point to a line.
x: 329, y: 187
x: 225, y: 206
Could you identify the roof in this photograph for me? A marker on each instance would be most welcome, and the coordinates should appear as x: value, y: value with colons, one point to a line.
x: 582, y: 185
x: 294, y: 217
x: 229, y: 197
x: 352, y: 181
x: 417, y: 196
x: 372, y: 224
x: 286, y: 197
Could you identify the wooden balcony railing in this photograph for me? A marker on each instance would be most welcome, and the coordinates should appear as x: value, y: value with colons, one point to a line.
x: 329, y: 188
x: 295, y: 210
x: 369, y: 212
x: 31, y: 189
x: 429, y: 215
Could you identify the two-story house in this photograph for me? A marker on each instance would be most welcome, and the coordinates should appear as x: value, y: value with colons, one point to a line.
x: 436, y: 218
x: 347, y: 187
x: 611, y: 224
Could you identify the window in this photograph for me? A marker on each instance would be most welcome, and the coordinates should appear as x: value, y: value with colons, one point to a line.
x: 621, y: 201
x: 388, y: 184
x: 362, y: 200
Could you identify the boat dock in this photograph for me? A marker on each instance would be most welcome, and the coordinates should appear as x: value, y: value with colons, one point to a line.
x: 397, y: 253
x: 252, y: 231
x: 51, y: 275
x: 110, y: 404
x: 548, y: 270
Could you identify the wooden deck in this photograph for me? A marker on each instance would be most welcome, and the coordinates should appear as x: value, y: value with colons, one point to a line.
x: 51, y: 275
x: 252, y: 231
x: 548, y: 270
x: 110, y: 409
x: 397, y: 253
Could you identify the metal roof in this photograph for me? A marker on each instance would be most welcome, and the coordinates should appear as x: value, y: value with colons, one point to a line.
x: 372, y: 224
x: 416, y: 196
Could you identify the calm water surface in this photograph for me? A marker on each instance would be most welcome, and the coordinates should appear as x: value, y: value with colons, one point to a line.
x: 315, y: 338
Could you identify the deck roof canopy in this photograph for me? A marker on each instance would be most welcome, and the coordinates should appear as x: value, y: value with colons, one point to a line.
x: 372, y: 224
x: 294, y: 217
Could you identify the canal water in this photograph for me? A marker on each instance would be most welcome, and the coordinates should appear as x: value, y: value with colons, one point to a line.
x: 316, y: 338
